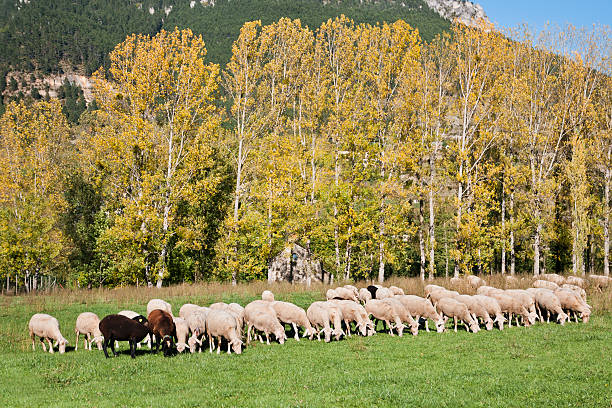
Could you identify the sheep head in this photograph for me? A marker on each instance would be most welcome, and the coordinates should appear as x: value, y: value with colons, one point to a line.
x: 489, y: 324
x: 440, y: 325
x: 62, y: 345
x: 237, y: 346
x: 562, y: 318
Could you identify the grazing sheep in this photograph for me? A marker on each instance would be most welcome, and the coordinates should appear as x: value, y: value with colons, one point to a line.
x: 266, y: 323
x: 383, y: 293
x: 493, y: 308
x: 257, y: 306
x: 512, y: 306
x: 573, y: 303
x: 186, y: 310
x: 436, y: 295
x: 336, y: 319
x: 138, y: 317
x: 237, y: 312
x: 452, y: 308
x: 87, y: 324
x: 431, y: 288
x: 159, y: 304
x: 553, y: 277
x: 319, y: 317
x: 354, y: 312
x: 161, y: 324
x: 341, y: 293
x: 384, y: 311
x: 544, y: 284
x: 118, y: 327
x: 196, y: 320
x: 475, y: 281
x: 576, y: 289
x: 403, y: 313
x: 526, y: 299
x: 364, y: 295
x: 599, y: 281
x: 476, y: 309
x: 182, y: 333
x: 421, y: 307
x: 575, y: 280
x: 488, y: 290
x: 549, y: 302
x: 221, y: 323
x: 372, y: 289
x: 294, y: 315
x: 46, y: 327
x: 396, y: 290
x: 267, y: 296
x: 352, y: 289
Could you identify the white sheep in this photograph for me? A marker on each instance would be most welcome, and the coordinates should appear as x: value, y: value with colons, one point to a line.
x: 384, y: 311
x: 449, y: 307
x: 159, y: 304
x: 599, y: 281
x: 421, y: 307
x: 196, y: 320
x: 476, y: 309
x: 430, y: 288
x: 573, y: 303
x: 354, y: 312
x: 221, y: 323
x: 383, y: 293
x: 182, y: 333
x: 512, y: 306
x: 186, y: 309
x: 575, y: 280
x: 268, y: 324
x: 320, y: 316
x: 47, y: 328
x: 396, y: 290
x: 267, y: 296
x: 526, y: 299
x: 364, y: 295
x: 553, y: 277
x: 436, y: 295
x: 493, y: 309
x: 488, y: 290
x: 403, y: 313
x: 294, y: 315
x: 576, y: 289
x: 352, y: 289
x: 549, y: 302
x: 475, y: 281
x: 87, y: 324
x: 341, y: 293
x: 545, y: 284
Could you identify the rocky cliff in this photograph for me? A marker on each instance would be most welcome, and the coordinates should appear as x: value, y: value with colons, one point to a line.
x: 465, y: 11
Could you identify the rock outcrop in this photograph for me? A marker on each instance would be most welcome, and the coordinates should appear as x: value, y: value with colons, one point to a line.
x: 465, y: 11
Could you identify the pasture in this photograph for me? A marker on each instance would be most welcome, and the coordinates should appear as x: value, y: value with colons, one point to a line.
x: 543, y: 365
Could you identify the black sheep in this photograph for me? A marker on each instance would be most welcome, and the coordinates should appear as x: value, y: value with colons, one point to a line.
x: 121, y: 328
x: 372, y: 289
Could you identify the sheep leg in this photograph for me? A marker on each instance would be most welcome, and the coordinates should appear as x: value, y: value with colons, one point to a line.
x: 295, y: 329
x: 455, y: 319
x: 76, y: 342
x: 88, y: 341
x: 385, y: 323
x: 229, y: 347
x: 348, y: 327
x: 42, y: 341
x: 426, y: 323
x: 218, y: 344
x: 509, y: 320
x: 33, y: 346
x: 249, y: 334
x: 548, y: 316
x: 210, y: 343
x: 267, y: 339
x: 50, y: 346
x: 517, y: 321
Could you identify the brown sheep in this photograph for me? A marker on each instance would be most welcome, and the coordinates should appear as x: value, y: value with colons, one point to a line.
x: 161, y: 324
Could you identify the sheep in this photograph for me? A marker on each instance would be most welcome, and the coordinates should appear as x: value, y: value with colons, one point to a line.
x: 162, y: 326
x: 452, y: 308
x: 421, y: 307
x: 341, y: 293
x: 257, y: 306
x: 456, y: 281
x: 511, y: 305
x: 430, y: 288
x: 354, y: 312
x: 436, y: 295
x: 196, y: 320
x: 599, y: 282
x: 221, y: 323
x: 576, y: 289
x: 383, y: 293
x: 182, y: 332
x: 476, y: 309
x: 512, y: 281
x: 526, y: 299
x: 396, y: 290
x: 553, y: 277
x: 352, y: 289
x: 237, y: 312
x: 544, y: 284
x: 336, y: 319
x: 118, y: 327
x: 403, y: 313
x: 319, y: 317
x: 267, y: 296
x: 549, y: 302
x: 493, y: 309
x: 87, y: 324
x: 294, y: 315
x: 488, y: 290
x: 575, y: 280
x: 267, y: 323
x: 372, y: 289
x: 475, y: 281
x: 186, y: 310
x: 159, y: 304
x: 364, y: 295
x: 573, y: 303
x: 133, y: 315
x: 384, y: 311
x: 46, y: 327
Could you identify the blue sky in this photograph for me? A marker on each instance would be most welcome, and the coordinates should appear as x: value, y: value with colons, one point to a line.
x: 510, y: 13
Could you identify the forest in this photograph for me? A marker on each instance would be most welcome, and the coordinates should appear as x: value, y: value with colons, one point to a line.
x: 381, y: 153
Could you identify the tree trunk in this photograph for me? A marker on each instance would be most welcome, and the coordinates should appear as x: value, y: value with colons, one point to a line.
x: 432, y: 217
x: 422, y: 239
x: 503, y: 229
x: 237, y: 198
x: 459, y: 214
x: 536, y: 244
x: 512, y: 253
x: 381, y: 251
x: 606, y: 225
x: 336, y: 233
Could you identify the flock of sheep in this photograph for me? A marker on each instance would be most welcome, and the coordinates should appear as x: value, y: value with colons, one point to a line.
x: 347, y: 310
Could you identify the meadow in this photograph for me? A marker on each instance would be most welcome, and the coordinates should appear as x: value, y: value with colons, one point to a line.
x: 543, y: 365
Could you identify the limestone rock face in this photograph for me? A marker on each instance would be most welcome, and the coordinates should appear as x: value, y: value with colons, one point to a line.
x: 465, y: 11
x: 295, y: 264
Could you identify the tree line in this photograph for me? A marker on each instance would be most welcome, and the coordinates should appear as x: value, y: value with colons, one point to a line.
x: 380, y: 153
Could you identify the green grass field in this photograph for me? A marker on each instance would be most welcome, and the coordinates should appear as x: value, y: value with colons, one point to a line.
x: 544, y: 365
